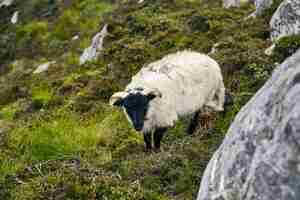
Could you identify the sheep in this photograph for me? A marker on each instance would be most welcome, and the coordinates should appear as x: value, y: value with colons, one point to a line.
x: 179, y: 84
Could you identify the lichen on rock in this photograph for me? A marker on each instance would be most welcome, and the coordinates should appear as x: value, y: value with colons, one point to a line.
x: 286, y: 19
x: 259, y: 156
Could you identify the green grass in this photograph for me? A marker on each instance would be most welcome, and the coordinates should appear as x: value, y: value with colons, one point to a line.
x: 63, y: 140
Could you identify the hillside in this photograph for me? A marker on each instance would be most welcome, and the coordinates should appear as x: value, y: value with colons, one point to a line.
x: 59, y: 138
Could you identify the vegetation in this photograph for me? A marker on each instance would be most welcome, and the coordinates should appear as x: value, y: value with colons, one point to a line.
x: 286, y: 46
x: 59, y: 139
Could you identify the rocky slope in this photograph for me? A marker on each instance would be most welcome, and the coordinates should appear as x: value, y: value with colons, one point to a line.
x: 59, y: 139
x: 259, y: 159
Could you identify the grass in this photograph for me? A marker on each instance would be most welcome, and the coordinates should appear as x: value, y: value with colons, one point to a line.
x: 63, y: 141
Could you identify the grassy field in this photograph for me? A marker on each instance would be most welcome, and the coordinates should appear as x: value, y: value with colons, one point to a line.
x: 59, y: 138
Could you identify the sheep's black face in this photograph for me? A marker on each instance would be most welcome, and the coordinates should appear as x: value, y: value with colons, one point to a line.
x: 136, y: 106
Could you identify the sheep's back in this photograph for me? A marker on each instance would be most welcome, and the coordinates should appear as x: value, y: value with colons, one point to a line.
x: 185, y: 79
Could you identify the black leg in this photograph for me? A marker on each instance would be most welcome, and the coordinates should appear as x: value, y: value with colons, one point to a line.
x: 158, y: 134
x: 147, y: 140
x: 193, y: 123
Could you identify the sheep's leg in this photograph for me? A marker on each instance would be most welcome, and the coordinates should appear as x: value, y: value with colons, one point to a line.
x: 217, y: 102
x: 193, y: 123
x: 147, y: 140
x: 158, y: 135
x: 221, y: 97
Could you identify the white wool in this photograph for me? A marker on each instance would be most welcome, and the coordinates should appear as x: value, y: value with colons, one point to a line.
x: 187, y: 81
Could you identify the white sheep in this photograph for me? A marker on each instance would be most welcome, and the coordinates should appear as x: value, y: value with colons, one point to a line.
x: 177, y: 85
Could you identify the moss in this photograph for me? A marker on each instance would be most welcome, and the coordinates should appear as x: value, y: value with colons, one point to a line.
x: 198, y: 23
x: 8, y: 112
x: 132, y: 191
x: 41, y: 95
x: 7, y: 48
x: 45, y: 139
x: 83, y: 19
x: 32, y: 38
x: 67, y: 25
x: 285, y: 47
x: 268, y: 13
x: 37, y: 9
x: 13, y: 85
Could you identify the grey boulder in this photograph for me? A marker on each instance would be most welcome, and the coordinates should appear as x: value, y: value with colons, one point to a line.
x: 259, y: 158
x: 94, y: 50
x: 261, y: 6
x: 286, y: 19
x: 231, y: 3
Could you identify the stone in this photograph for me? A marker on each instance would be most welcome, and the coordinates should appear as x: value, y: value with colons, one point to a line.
x: 93, y: 51
x: 235, y: 3
x: 231, y: 3
x: 261, y: 6
x: 286, y: 20
x: 76, y: 37
x: 260, y: 155
x: 43, y: 67
x: 214, y: 48
x: 14, y: 18
x: 269, y: 51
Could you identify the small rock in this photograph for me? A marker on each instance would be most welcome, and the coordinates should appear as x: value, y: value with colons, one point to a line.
x: 14, y: 18
x: 261, y: 6
x: 231, y: 3
x: 214, y: 48
x: 93, y: 51
x: 269, y: 51
x: 235, y: 3
x: 43, y: 67
x: 76, y: 37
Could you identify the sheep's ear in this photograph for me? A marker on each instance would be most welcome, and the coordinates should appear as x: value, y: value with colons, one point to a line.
x: 117, y: 99
x: 153, y: 94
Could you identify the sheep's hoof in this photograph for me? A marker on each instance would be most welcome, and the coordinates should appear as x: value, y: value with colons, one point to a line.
x: 157, y: 150
x: 147, y: 150
x: 189, y: 131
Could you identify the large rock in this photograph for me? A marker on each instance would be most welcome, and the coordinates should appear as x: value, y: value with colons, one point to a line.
x: 260, y: 155
x: 286, y: 19
x: 261, y: 6
x: 92, y: 52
